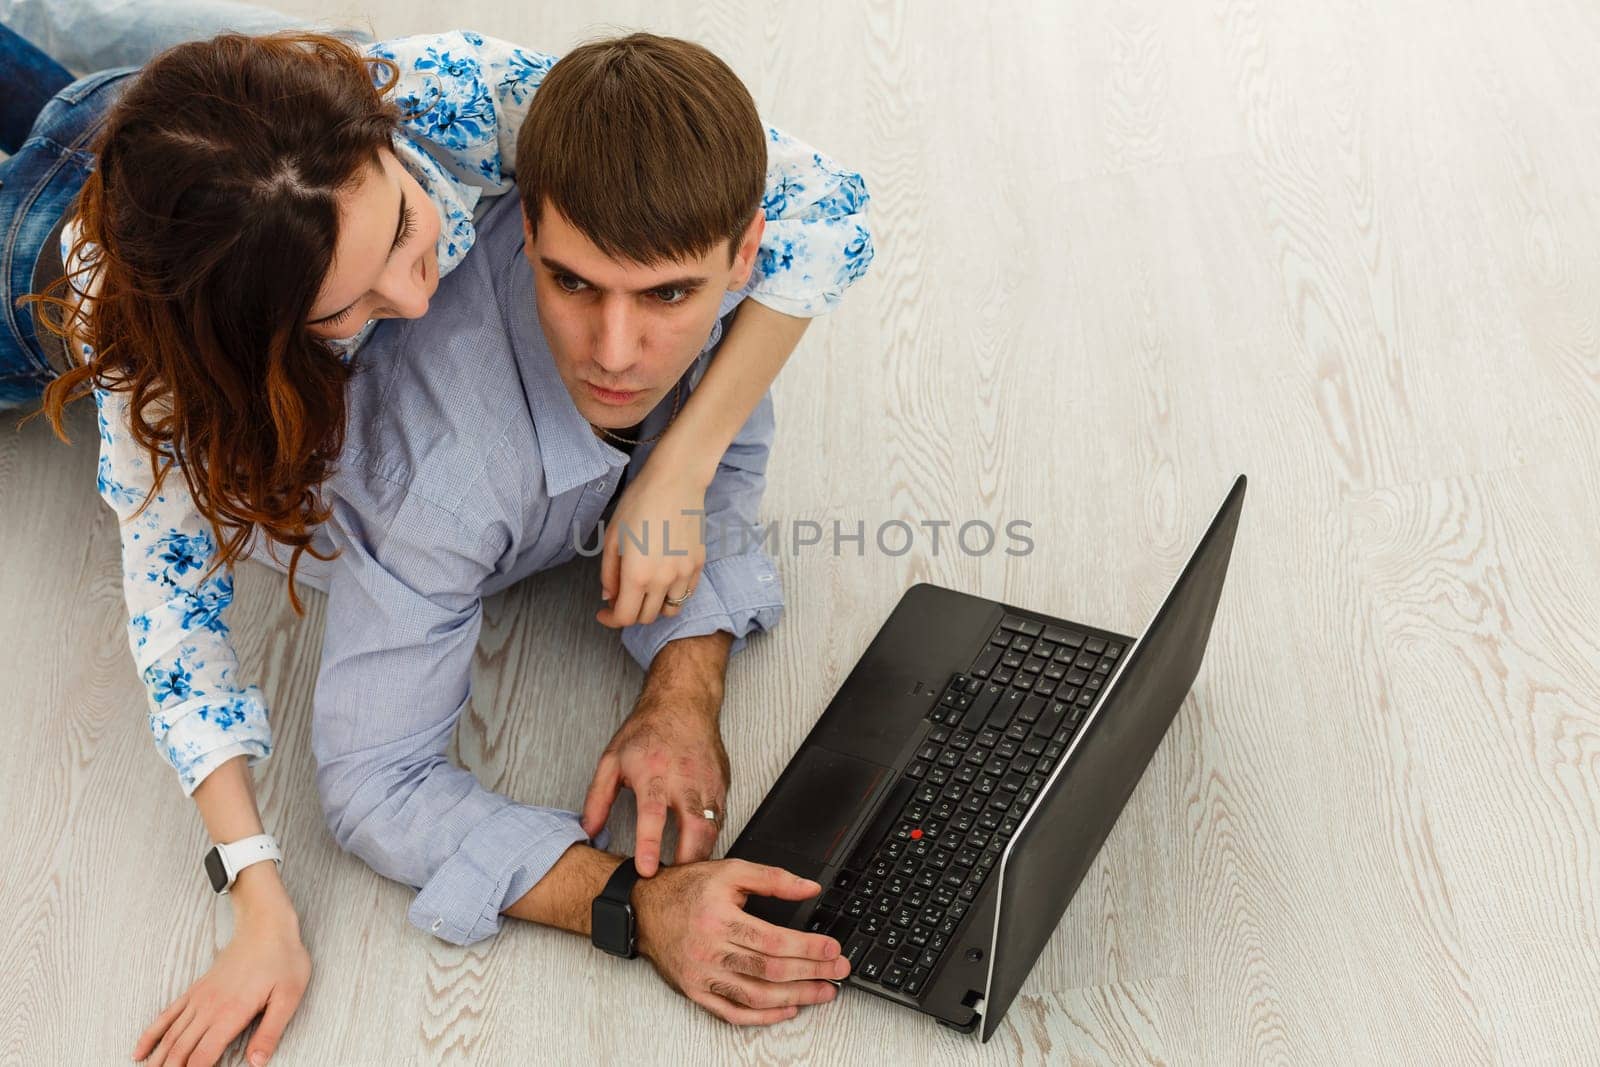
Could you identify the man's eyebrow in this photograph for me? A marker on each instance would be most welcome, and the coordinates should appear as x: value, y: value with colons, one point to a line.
x: 399, y: 227
x: 555, y: 266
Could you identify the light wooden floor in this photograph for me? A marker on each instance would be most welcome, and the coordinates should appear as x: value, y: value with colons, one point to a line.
x: 1127, y: 250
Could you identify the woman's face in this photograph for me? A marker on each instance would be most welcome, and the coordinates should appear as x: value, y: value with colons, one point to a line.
x: 385, y: 264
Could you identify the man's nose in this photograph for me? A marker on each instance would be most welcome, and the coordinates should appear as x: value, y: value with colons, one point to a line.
x: 616, y: 336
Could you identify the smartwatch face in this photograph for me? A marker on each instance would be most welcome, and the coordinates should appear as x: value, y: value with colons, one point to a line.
x: 215, y: 870
x: 612, y: 923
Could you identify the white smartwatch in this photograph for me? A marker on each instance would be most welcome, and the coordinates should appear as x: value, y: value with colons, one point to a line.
x: 224, y: 862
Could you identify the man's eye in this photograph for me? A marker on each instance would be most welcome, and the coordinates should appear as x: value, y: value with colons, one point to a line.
x: 674, y: 295
x: 568, y: 284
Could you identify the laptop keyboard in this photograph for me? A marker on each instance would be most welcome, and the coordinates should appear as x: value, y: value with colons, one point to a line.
x: 997, y: 732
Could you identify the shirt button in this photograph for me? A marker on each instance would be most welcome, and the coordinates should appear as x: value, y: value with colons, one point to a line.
x: 436, y: 924
x: 601, y: 485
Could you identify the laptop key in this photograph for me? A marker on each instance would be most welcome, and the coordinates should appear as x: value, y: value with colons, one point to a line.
x: 855, y: 949
x: 893, y: 975
x: 872, y: 965
x: 1053, y: 714
x: 915, y: 980
x: 1012, y: 622
x: 986, y: 661
x: 981, y: 706
x: 1094, y: 644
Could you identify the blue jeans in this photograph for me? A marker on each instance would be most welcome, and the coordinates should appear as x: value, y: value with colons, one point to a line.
x: 37, y: 185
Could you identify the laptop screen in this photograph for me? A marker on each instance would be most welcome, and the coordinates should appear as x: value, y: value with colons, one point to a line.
x: 1057, y: 843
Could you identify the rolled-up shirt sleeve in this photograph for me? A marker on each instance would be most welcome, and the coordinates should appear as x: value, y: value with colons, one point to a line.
x: 739, y: 590
x: 403, y: 621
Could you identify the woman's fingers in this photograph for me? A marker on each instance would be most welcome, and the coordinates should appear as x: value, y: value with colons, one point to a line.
x: 610, y: 565
x: 218, y: 1038
x: 650, y: 608
x: 155, y: 1030
x: 162, y: 1055
x: 181, y: 1048
x: 280, y: 1009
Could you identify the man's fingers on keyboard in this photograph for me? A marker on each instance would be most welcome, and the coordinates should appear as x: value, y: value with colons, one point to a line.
x: 771, y: 940
x: 784, y: 968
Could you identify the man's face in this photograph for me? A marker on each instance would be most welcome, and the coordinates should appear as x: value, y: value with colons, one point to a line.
x: 623, y: 333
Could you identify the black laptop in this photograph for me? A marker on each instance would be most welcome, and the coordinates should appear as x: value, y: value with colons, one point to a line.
x: 954, y: 793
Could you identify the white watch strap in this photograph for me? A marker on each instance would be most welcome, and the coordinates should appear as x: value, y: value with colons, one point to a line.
x: 237, y: 855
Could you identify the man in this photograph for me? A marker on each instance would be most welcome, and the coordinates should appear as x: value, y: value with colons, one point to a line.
x: 482, y: 437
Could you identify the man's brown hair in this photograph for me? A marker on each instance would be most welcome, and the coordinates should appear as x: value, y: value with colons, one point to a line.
x: 650, y: 146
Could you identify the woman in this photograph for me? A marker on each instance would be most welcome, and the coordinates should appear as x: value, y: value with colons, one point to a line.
x: 201, y: 253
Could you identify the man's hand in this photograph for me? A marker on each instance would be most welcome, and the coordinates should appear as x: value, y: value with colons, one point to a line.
x: 693, y: 927
x: 670, y: 754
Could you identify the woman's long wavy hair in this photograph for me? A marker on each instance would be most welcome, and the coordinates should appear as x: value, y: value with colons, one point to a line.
x: 208, y: 228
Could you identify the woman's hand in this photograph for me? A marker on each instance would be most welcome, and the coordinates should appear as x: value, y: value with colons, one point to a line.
x: 659, y: 510
x: 264, y: 968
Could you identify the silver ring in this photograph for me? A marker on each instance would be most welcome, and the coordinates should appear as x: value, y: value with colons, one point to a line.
x: 710, y: 813
x: 679, y: 602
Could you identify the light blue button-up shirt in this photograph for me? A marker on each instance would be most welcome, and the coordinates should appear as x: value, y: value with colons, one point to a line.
x: 467, y: 468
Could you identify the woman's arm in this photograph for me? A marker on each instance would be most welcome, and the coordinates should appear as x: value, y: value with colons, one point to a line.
x: 674, y: 478
x: 210, y: 730
x: 263, y: 970
x: 758, y: 344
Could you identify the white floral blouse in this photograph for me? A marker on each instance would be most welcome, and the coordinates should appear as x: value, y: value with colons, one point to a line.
x: 466, y: 96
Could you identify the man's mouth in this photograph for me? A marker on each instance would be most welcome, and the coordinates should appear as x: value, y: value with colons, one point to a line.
x: 611, y: 396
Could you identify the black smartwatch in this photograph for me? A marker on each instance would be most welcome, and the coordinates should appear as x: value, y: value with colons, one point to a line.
x: 611, y: 923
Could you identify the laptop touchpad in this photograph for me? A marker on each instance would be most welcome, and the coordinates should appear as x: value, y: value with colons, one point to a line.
x: 815, y: 805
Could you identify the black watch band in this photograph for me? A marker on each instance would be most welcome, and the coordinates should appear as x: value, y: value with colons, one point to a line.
x: 611, y: 921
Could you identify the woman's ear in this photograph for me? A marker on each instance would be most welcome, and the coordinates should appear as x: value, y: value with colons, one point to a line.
x: 744, y: 257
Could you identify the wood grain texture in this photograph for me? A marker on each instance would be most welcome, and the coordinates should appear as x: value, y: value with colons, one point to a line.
x: 1127, y: 249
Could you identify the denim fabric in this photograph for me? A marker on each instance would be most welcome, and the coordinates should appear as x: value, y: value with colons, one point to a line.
x: 89, y: 35
x: 37, y: 185
x: 28, y: 79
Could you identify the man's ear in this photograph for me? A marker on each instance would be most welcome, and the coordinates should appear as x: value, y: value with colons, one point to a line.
x: 527, y: 234
x: 744, y: 258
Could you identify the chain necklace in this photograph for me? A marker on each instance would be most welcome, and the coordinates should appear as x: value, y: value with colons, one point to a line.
x: 677, y: 401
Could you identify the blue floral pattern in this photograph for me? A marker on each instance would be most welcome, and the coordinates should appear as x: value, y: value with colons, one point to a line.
x: 463, y: 97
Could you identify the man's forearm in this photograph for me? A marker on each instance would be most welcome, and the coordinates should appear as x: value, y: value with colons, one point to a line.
x: 563, y: 896
x: 689, y: 670
x: 687, y: 673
